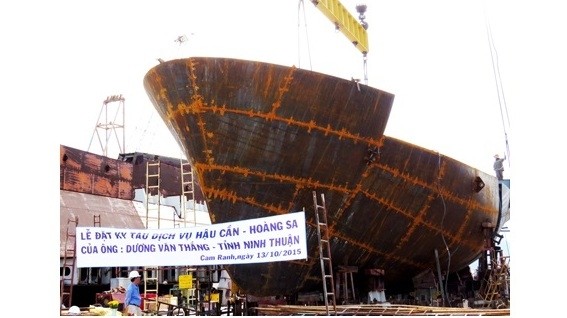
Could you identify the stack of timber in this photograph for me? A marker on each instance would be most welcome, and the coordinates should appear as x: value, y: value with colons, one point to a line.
x: 377, y: 310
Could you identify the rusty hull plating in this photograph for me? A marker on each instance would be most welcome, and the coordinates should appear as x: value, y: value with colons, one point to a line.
x: 261, y: 137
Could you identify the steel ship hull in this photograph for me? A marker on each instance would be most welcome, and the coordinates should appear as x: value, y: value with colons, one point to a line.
x: 262, y: 137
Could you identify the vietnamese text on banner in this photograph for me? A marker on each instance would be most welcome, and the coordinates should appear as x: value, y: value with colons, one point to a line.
x: 269, y: 239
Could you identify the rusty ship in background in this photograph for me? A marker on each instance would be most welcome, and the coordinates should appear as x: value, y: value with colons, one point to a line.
x: 262, y: 138
x: 96, y: 190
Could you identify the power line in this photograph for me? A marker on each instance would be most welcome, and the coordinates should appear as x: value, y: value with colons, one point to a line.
x: 499, y: 87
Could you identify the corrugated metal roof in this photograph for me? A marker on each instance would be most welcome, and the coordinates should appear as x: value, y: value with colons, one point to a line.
x: 115, y: 213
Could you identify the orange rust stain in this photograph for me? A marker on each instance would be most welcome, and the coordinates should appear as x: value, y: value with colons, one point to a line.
x: 268, y: 176
x: 316, y: 185
x: 125, y: 190
x: 357, y: 189
x: 229, y: 195
x: 433, y: 227
x: 197, y: 107
x: 72, y: 164
x: 278, y: 210
x: 416, y: 221
x: 370, y: 248
x: 125, y: 171
x: 84, y: 182
x: 432, y: 188
x: 282, y: 90
x: 298, y: 188
x: 72, y: 181
x: 103, y: 186
x: 92, y: 161
x: 220, y: 194
x: 267, y: 79
x: 465, y: 222
x: 342, y: 133
x: 459, y: 237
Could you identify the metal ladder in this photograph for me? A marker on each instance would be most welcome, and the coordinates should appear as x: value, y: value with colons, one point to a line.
x: 153, y: 181
x: 188, y: 195
x: 69, y: 261
x: 325, y: 253
x: 151, y: 277
x: 96, y: 220
x: 151, y: 273
x: 96, y: 271
x: 187, y: 191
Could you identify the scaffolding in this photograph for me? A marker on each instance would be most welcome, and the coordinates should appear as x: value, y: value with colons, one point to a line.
x: 151, y: 273
x: 187, y: 193
x: 153, y: 187
x: 186, y: 216
x: 494, y: 270
x: 69, y: 258
x: 113, y: 125
x: 495, y: 289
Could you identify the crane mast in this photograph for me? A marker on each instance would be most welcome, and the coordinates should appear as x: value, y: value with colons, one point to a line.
x: 345, y: 22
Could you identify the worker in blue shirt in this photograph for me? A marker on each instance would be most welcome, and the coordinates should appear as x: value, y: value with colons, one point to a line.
x: 133, y: 299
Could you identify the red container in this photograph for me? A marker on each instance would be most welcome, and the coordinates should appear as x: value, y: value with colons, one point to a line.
x: 148, y: 296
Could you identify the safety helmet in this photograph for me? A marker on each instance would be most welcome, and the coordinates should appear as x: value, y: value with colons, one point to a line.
x: 74, y: 310
x: 134, y: 274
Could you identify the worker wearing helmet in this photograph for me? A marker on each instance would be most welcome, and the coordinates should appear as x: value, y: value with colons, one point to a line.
x: 133, y: 299
x: 499, y: 166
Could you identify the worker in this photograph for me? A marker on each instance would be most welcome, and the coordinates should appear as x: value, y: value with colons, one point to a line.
x: 133, y: 299
x: 499, y: 166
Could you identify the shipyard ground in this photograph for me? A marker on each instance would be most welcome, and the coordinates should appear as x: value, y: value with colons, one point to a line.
x: 306, y: 304
x: 377, y: 310
x: 241, y: 307
x: 342, y: 310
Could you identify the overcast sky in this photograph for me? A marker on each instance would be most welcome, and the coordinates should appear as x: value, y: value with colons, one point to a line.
x: 61, y: 59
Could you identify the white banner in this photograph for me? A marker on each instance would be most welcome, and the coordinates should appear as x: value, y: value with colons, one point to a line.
x: 269, y: 239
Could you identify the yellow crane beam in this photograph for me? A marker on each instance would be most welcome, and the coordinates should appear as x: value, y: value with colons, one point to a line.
x: 344, y: 22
